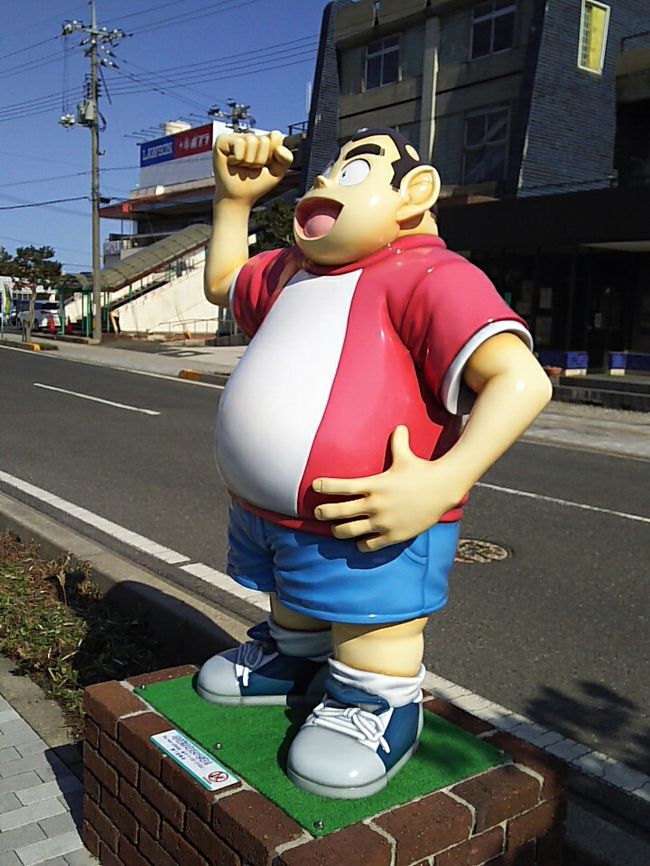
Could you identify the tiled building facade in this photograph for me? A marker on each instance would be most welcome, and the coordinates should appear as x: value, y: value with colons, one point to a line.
x: 513, y: 100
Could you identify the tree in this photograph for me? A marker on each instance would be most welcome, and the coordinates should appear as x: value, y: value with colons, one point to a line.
x: 32, y: 268
x: 5, y: 262
x: 274, y: 226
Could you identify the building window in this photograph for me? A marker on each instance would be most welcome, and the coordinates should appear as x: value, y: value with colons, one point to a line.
x: 410, y: 131
x: 594, y: 23
x: 382, y: 62
x: 493, y: 28
x: 486, y: 145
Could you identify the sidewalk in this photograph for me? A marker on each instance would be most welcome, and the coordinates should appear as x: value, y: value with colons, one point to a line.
x: 40, y: 793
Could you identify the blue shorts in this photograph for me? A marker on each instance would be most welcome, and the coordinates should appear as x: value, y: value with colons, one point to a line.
x: 330, y: 579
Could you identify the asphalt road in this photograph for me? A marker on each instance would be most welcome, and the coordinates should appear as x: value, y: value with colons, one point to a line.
x: 557, y: 631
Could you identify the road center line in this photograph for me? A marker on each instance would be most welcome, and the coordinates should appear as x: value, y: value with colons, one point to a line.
x: 133, y: 539
x: 566, y: 502
x: 96, y: 399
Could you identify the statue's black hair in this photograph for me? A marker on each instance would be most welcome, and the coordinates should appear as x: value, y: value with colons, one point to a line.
x: 401, y: 166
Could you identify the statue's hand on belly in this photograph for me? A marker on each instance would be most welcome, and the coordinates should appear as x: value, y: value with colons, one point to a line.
x: 394, y: 506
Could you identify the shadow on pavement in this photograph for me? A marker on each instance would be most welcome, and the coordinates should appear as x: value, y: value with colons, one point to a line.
x: 598, y: 710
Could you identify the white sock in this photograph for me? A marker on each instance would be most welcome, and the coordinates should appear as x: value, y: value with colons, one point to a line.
x: 397, y: 691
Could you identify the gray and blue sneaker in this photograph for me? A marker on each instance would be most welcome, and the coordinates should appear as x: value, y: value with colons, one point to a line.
x: 257, y: 673
x: 353, y: 742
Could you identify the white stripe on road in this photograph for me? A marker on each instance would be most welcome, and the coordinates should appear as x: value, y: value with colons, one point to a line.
x: 175, y: 379
x: 133, y: 539
x: 555, y: 501
x: 96, y: 399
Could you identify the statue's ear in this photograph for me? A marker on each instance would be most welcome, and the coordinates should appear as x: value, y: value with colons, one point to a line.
x: 419, y: 191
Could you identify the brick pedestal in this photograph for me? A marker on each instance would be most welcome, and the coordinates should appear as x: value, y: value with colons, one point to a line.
x: 141, y: 809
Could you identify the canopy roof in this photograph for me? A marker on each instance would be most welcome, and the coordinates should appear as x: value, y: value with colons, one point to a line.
x: 145, y: 261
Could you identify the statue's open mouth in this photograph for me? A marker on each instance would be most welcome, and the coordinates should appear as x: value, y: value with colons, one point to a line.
x: 315, y: 217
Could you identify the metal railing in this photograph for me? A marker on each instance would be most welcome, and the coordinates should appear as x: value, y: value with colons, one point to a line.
x: 219, y: 327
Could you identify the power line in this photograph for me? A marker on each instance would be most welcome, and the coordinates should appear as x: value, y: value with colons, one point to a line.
x: 215, y: 62
x: 212, y: 9
x: 52, y: 178
x: 31, y: 241
x: 42, y: 203
x: 35, y: 158
x: 44, y: 179
x: 41, y: 21
x: 251, y: 70
x: 272, y: 52
x: 27, y: 48
x: 156, y: 8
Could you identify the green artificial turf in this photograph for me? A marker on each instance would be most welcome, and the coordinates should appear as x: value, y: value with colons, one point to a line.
x: 255, y: 741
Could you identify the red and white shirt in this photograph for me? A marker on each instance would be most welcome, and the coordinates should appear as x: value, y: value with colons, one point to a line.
x: 341, y: 357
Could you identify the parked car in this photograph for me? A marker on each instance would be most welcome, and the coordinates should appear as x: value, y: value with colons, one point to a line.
x: 46, y: 315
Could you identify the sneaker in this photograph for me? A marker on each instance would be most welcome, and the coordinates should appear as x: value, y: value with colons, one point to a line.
x: 353, y: 743
x: 257, y: 674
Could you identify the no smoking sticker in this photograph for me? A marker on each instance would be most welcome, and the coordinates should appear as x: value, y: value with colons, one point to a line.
x: 194, y: 760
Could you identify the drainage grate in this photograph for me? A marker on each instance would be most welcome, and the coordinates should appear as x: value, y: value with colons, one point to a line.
x: 475, y: 550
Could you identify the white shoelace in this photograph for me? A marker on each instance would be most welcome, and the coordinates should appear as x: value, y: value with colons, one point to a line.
x: 249, y: 657
x: 364, y: 726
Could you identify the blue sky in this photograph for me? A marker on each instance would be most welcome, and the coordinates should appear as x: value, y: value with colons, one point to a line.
x: 201, y: 53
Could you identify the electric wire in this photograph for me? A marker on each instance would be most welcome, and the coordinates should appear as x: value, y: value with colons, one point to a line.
x: 31, y: 242
x: 120, y: 18
x: 272, y: 52
x: 48, y: 60
x: 42, y: 203
x: 245, y: 70
x: 261, y: 50
x: 5, y: 56
x: 212, y: 9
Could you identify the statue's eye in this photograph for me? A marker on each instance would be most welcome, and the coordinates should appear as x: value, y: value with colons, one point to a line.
x: 354, y: 172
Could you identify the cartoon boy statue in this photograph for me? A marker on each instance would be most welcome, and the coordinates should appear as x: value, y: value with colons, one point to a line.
x: 340, y: 437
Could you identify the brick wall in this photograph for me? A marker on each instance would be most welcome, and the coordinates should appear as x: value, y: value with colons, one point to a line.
x: 141, y: 809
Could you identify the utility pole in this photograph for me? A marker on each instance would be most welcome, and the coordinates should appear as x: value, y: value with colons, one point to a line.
x: 96, y: 41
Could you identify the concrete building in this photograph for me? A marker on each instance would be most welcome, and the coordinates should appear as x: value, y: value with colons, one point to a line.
x: 537, y: 115
x: 153, y: 268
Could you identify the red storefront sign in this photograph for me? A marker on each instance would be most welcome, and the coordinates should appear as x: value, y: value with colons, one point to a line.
x: 193, y: 141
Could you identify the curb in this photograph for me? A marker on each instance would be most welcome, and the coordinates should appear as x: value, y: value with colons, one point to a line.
x: 196, y: 376
x: 30, y: 346
x: 608, y: 398
x: 190, y: 628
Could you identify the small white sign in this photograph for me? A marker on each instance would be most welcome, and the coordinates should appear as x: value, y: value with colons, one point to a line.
x: 192, y: 758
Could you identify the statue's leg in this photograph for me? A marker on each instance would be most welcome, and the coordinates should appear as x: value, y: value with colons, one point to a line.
x: 369, y: 723
x: 370, y: 719
x: 284, y: 660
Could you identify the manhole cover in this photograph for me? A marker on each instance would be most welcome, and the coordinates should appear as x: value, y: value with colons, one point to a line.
x: 474, y: 550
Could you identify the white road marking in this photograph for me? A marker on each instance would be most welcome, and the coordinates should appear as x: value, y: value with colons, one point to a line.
x: 96, y: 399
x: 133, y: 539
x: 174, y: 379
x: 566, y: 502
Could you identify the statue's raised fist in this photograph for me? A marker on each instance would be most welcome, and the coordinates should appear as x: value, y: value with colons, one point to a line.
x: 247, y: 166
